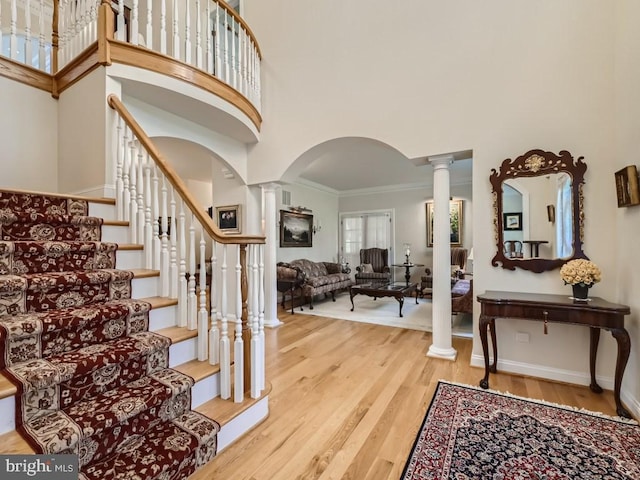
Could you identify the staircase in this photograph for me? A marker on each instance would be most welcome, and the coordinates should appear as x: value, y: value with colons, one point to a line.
x: 91, y: 359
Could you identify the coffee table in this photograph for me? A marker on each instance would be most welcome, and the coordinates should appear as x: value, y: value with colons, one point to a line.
x: 375, y: 290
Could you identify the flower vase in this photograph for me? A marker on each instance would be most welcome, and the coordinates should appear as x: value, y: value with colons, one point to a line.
x: 580, y: 292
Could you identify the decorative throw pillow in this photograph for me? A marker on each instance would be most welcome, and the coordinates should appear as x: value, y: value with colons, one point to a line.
x: 366, y: 268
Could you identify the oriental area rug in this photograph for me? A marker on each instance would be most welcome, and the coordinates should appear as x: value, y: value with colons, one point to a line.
x: 470, y: 433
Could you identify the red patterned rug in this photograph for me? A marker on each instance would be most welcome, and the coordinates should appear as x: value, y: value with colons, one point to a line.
x: 469, y: 433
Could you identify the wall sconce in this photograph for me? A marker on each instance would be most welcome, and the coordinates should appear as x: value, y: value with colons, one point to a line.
x: 317, y: 227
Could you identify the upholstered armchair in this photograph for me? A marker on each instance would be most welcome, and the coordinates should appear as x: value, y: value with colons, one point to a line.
x: 458, y: 261
x: 462, y: 297
x: 374, y: 266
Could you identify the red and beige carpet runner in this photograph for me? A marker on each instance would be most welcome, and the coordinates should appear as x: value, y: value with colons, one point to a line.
x: 92, y: 379
x: 470, y: 433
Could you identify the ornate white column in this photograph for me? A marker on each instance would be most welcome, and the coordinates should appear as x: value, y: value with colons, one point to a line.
x: 441, y: 346
x: 269, y: 222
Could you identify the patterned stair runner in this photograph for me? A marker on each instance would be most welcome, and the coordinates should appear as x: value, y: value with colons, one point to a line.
x: 91, y: 379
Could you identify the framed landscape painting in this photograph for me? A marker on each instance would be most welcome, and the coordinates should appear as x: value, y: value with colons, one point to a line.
x: 455, y: 223
x: 296, y: 229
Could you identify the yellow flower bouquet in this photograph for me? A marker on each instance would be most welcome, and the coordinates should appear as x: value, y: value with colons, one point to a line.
x: 580, y: 272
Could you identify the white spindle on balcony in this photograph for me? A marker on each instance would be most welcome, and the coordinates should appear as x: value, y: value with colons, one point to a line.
x: 176, y: 33
x: 187, y: 32
x: 198, y: 35
x: 163, y: 29
x: 134, y: 30
x: 13, y: 30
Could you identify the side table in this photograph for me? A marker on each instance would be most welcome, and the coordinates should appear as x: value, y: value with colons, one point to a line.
x: 290, y: 286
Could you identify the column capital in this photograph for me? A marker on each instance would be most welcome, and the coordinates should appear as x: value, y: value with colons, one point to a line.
x: 270, y: 186
x: 440, y: 161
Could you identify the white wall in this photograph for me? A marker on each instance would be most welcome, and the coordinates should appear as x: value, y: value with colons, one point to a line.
x: 627, y: 145
x: 497, y: 77
x: 28, y: 137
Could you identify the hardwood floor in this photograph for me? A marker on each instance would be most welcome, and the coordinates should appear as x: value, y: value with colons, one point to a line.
x: 348, y: 399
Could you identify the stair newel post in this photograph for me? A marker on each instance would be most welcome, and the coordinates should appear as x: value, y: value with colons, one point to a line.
x: 255, y: 344
x: 120, y: 26
x: 261, y: 352
x: 164, y: 237
x: 173, y: 254
x: 199, y: 35
x: 133, y: 205
x: 214, y: 333
x: 134, y: 26
x: 240, y: 362
x: 126, y: 208
x: 203, y: 317
x: 119, y: 173
x: 176, y: 34
x: 208, y: 33
x: 182, y: 272
x: 155, y: 218
x: 187, y: 32
x: 148, y: 225
x: 163, y: 27
x: 192, y: 301
x: 140, y: 183
x: 225, y: 347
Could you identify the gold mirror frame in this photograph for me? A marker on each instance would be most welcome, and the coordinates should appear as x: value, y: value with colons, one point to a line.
x: 532, y: 164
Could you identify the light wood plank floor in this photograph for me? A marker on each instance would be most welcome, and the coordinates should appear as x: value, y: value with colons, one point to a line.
x: 348, y: 399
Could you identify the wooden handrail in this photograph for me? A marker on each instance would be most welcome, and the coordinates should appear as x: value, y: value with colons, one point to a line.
x: 207, y: 223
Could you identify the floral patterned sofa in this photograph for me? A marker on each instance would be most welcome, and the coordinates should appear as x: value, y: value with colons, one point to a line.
x: 315, y: 277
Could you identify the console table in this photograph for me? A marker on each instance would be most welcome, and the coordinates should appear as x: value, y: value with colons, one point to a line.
x: 596, y: 314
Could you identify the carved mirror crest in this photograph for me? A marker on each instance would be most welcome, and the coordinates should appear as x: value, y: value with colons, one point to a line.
x: 538, y: 210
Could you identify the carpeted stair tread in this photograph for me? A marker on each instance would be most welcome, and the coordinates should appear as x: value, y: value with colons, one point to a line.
x: 46, y: 228
x: 171, y: 451
x: 38, y: 202
x: 28, y: 256
x: 55, y: 290
x: 99, y: 358
x: 28, y: 336
x: 163, y: 394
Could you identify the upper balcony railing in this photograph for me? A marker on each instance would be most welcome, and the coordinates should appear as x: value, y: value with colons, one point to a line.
x: 207, y: 35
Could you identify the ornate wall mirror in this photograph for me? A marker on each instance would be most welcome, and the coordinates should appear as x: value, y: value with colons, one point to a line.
x: 538, y: 210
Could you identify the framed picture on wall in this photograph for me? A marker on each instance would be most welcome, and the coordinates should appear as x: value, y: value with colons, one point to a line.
x: 512, y: 221
x: 296, y: 229
x: 228, y: 218
x: 456, y: 224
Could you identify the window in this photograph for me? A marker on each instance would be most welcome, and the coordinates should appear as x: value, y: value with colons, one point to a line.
x: 364, y: 230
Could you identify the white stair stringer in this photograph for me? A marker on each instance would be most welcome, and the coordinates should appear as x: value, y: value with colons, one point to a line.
x: 242, y: 423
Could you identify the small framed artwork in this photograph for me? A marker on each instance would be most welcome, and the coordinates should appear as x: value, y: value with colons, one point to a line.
x: 296, y: 229
x: 512, y: 221
x: 455, y: 223
x: 627, y: 189
x: 229, y: 219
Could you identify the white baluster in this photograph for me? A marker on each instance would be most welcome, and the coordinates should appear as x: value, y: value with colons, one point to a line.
x: 187, y: 33
x: 13, y: 31
x: 234, y: 67
x: 120, y: 26
x: 164, y: 238
x: 133, y: 25
x: 1, y: 37
x: 255, y: 339
x: 214, y: 333
x: 225, y: 347
x: 183, y: 294
x: 262, y: 358
x: 176, y: 34
x: 126, y: 208
x: 238, y: 344
x: 173, y: 254
x: 148, y: 224
x: 208, y: 33
x: 258, y: 102
x: 27, y: 33
x: 42, y: 52
x: 217, y: 67
x: 62, y: 16
x: 119, y: 173
x: 93, y: 22
x: 199, y: 35
x: 133, y: 187
x: 226, y: 54
x: 163, y: 27
x: 140, y: 188
x: 203, y: 318
x: 155, y: 218
x: 149, y: 32
x: 192, y: 301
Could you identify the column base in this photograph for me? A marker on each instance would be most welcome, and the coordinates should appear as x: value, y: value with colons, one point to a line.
x: 274, y: 323
x: 443, y: 353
